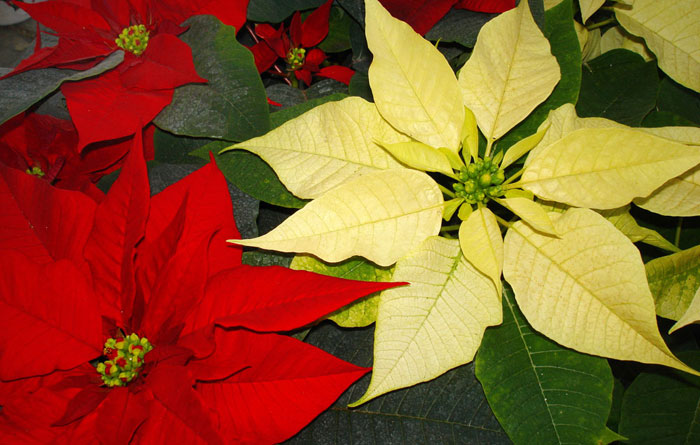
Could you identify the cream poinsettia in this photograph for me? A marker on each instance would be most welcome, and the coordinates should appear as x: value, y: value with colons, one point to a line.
x: 364, y: 164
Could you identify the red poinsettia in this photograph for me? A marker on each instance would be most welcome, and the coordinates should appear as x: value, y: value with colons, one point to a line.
x: 296, y: 48
x: 133, y: 321
x: 120, y: 101
x: 422, y: 15
x: 48, y: 147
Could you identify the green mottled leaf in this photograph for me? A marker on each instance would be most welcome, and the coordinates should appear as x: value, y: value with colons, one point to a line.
x: 232, y: 105
x: 673, y: 280
x: 541, y: 392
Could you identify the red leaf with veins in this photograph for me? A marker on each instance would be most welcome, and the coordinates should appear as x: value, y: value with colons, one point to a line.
x: 265, y: 396
x: 49, y: 317
x: 119, y: 416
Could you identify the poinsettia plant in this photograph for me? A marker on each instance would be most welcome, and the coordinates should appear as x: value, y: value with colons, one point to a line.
x: 133, y: 321
x: 139, y: 42
x: 568, y: 236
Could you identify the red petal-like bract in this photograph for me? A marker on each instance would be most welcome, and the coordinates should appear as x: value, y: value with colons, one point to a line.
x: 315, y: 28
x: 287, y: 384
x: 42, y: 222
x: 119, y: 416
x: 420, y: 14
x: 230, y: 12
x: 492, y: 6
x: 337, y: 72
x: 274, y: 298
x: 49, y: 318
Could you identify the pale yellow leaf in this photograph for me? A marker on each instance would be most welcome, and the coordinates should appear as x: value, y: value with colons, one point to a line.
x: 673, y: 280
x: 530, y: 212
x: 422, y: 157
x: 470, y: 135
x: 671, y: 30
x: 436, y: 323
x: 380, y: 216
x: 327, y: 146
x: 684, y: 135
x: 465, y: 211
x: 680, y: 196
x: 549, y: 4
x: 482, y: 243
x: 589, y: 41
x: 586, y: 290
x: 455, y: 160
x: 692, y: 315
x: 510, y: 72
x: 520, y: 148
x: 362, y: 312
x: 413, y: 85
x: 604, y: 168
x: 588, y: 7
x: 616, y: 37
x: 625, y: 223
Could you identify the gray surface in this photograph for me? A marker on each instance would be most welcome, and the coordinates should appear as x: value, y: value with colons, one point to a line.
x: 16, y: 41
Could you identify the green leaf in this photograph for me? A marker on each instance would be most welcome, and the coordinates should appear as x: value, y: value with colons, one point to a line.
x: 232, y: 105
x: 362, y: 312
x: 459, y: 25
x: 274, y: 11
x: 673, y: 280
x: 618, y: 85
x: 662, y: 408
x: 679, y: 100
x: 560, y: 32
x: 172, y: 149
x: 18, y: 93
x: 540, y: 392
x: 625, y: 223
x: 338, y: 38
x: 449, y: 410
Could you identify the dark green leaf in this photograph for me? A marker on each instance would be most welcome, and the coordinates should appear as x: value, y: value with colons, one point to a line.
x: 267, y: 258
x: 448, y: 410
x: 460, y: 26
x: 18, y: 93
x: 679, y: 100
x: 282, y: 116
x: 173, y: 149
x: 616, y: 408
x: 289, y: 96
x: 338, y: 38
x: 662, y: 408
x: 618, y: 85
x: 541, y: 392
x: 274, y: 11
x: 666, y: 118
x: 361, y: 56
x: 559, y: 30
x: 356, y: 9
x: 232, y: 105
x: 359, y: 86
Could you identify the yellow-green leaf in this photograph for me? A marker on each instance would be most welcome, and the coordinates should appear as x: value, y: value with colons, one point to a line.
x: 530, y: 212
x: 510, y: 72
x: 671, y: 29
x: 362, y: 312
x: 617, y: 37
x: 626, y: 224
x: 692, y: 315
x: 327, y: 146
x: 588, y: 7
x: 680, y: 196
x: 520, y: 148
x: 417, y: 155
x: 436, y: 323
x: 380, y: 216
x: 482, y: 243
x: 413, y: 85
x: 673, y: 280
x: 604, y: 168
x: 586, y: 290
x: 451, y: 207
x: 470, y: 135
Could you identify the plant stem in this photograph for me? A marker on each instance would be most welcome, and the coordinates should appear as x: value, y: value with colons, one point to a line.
x: 601, y: 23
x: 450, y: 228
x: 502, y: 221
x: 488, y: 147
x: 512, y: 177
x: 677, y: 239
x: 447, y: 191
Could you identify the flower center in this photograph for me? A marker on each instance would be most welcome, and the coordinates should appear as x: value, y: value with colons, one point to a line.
x: 479, y: 181
x: 295, y: 58
x: 133, y: 39
x: 36, y: 171
x: 124, y: 359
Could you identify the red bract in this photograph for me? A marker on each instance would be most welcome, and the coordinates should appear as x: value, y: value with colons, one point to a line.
x: 119, y: 102
x: 77, y: 279
x: 48, y: 147
x: 296, y: 46
x: 422, y: 15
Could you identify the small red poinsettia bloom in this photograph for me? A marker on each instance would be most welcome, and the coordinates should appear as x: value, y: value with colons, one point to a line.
x: 296, y: 48
x: 118, y: 102
x: 133, y: 321
x: 422, y: 15
x: 47, y: 146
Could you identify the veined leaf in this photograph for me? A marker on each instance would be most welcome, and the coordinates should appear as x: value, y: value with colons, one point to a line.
x: 684, y: 135
x: 670, y: 29
x: 542, y: 393
x: 482, y: 244
x: 678, y: 197
x: 530, y: 212
x: 380, y: 216
x: 413, y: 85
x: 436, y: 323
x: 692, y: 315
x: 327, y: 146
x: 604, y: 168
x: 673, y: 280
x: 520, y: 148
x: 588, y: 7
x: 510, y: 72
x: 625, y: 223
x: 616, y: 37
x: 420, y: 156
x: 586, y: 290
x: 362, y: 312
